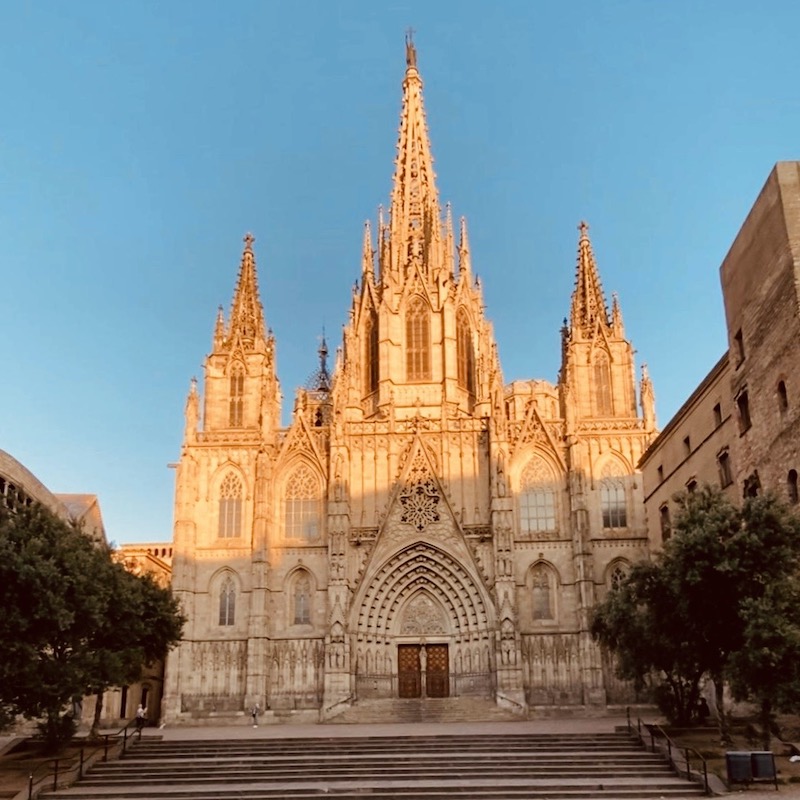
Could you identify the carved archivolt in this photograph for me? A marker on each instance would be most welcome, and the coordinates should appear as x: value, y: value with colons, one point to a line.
x: 422, y: 617
x: 417, y: 570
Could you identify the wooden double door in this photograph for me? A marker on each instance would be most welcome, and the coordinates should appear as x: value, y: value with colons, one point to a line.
x: 423, y: 670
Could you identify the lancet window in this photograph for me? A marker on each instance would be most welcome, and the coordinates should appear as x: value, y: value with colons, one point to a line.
x: 613, y: 496
x: 418, y: 340
x: 617, y: 574
x: 542, y: 592
x: 227, y: 603
x: 230, y: 507
x: 301, y: 599
x: 371, y: 358
x: 302, y: 506
x: 236, y: 406
x: 465, y: 352
x: 601, y: 373
x: 537, y: 498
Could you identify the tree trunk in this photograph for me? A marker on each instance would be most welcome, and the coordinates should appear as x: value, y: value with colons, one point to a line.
x: 724, y: 729
x: 766, y: 724
x: 94, y: 733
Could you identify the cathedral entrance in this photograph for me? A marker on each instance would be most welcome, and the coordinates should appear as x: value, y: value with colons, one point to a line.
x: 423, y: 670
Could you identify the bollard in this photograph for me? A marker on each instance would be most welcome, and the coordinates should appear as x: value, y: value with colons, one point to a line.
x: 105, y: 747
x: 80, y: 764
x: 55, y: 775
x: 688, y: 769
x: 30, y: 786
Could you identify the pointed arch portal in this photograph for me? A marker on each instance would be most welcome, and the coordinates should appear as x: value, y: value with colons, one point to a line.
x: 423, y: 628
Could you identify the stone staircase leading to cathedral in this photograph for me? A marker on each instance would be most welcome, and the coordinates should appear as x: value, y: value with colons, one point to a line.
x: 431, y: 709
x: 483, y: 766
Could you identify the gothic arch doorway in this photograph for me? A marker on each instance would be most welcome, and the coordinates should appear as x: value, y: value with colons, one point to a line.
x: 423, y: 629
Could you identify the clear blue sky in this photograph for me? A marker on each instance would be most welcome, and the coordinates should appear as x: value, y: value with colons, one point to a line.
x: 139, y: 141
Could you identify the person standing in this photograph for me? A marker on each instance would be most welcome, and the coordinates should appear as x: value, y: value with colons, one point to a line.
x: 254, y: 712
x: 141, y: 717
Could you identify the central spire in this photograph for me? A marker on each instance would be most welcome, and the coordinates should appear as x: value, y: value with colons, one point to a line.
x: 415, y: 216
x: 247, y: 314
x: 588, y: 301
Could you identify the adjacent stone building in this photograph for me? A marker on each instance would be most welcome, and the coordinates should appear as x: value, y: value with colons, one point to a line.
x: 421, y: 529
x: 740, y: 429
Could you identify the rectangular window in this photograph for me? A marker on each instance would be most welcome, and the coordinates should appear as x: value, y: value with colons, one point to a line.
x: 537, y: 511
x: 302, y: 518
x: 666, y: 522
x: 738, y: 343
x: 687, y: 446
x: 613, y: 503
x: 230, y: 517
x: 660, y: 474
x: 717, y: 415
x: 691, y: 486
x: 725, y: 471
x: 743, y: 406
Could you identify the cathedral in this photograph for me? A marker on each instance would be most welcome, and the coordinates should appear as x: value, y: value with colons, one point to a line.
x: 421, y: 529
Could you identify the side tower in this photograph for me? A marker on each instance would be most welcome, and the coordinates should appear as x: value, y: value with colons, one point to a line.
x: 605, y: 437
x: 222, y: 512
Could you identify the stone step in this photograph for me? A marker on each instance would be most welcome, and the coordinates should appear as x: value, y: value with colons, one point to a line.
x: 448, y: 709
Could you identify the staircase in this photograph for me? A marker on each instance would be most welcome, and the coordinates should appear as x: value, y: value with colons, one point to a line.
x: 431, y: 709
x: 471, y: 767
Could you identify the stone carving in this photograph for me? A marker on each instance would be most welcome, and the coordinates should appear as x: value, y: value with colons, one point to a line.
x: 420, y: 505
x: 422, y: 618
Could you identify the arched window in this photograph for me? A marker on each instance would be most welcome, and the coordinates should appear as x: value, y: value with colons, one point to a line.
x: 542, y: 592
x: 791, y: 486
x: 601, y: 373
x: 537, y: 498
x: 465, y: 352
x: 617, y: 574
x: 230, y: 507
x: 371, y: 357
x: 613, y: 500
x: 418, y: 341
x: 227, y: 603
x: 301, y: 599
x: 302, y: 506
x: 236, y: 407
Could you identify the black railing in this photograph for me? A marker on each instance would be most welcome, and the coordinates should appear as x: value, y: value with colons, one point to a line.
x: 63, y: 768
x: 671, y: 749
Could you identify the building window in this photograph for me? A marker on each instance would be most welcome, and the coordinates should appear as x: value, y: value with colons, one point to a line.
x: 602, y: 385
x: 738, y: 343
x: 660, y: 471
x: 542, y: 592
x: 236, y: 405
x: 465, y: 352
x: 791, y: 486
x: 717, y: 415
x: 725, y: 471
x: 302, y: 506
x: 301, y: 599
x: 613, y: 501
x: 227, y: 603
x: 687, y: 446
x: 537, y: 498
x: 371, y: 358
x: 691, y: 485
x: 752, y: 485
x: 230, y: 507
x: 666, y: 522
x: 418, y: 341
x: 783, y: 398
x: 616, y: 576
x: 743, y: 406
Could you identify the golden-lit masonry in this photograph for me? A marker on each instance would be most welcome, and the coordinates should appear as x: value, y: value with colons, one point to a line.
x: 421, y: 529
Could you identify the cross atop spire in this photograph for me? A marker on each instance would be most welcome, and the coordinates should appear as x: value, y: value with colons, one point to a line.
x: 415, y: 216
x: 588, y: 302
x: 247, y: 314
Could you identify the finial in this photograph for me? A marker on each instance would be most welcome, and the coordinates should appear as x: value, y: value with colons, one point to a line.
x: 248, y: 242
x: 583, y: 227
x: 411, y: 51
x: 193, y: 385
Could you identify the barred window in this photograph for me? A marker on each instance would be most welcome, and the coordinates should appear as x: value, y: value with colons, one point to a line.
x: 418, y: 341
x: 230, y: 507
x: 302, y: 506
x: 613, y: 497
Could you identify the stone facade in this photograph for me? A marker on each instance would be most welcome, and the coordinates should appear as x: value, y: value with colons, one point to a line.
x: 743, y: 421
x: 420, y: 528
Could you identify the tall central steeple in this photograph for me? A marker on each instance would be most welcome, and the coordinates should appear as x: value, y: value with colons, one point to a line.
x: 247, y: 314
x: 415, y: 223
x: 588, y: 301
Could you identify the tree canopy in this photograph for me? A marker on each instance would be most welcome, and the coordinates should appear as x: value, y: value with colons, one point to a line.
x: 720, y: 600
x: 74, y: 622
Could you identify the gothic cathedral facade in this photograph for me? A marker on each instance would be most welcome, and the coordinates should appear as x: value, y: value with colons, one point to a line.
x: 420, y: 529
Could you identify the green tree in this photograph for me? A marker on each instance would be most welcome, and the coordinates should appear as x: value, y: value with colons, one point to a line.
x: 692, y: 610
x: 64, y: 606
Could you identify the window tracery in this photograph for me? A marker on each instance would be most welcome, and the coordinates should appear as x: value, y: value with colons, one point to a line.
x: 418, y: 345
x: 301, y: 599
x: 230, y: 507
x: 465, y: 352
x: 227, y: 603
x: 236, y: 406
x: 537, y: 498
x: 302, y: 506
x: 613, y: 496
x: 601, y: 373
x: 542, y: 592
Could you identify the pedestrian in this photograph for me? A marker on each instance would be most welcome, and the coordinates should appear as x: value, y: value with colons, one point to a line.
x: 141, y: 717
x: 254, y: 712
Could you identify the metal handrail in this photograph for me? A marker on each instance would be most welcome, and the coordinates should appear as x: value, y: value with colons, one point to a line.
x: 36, y: 782
x: 652, y: 728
